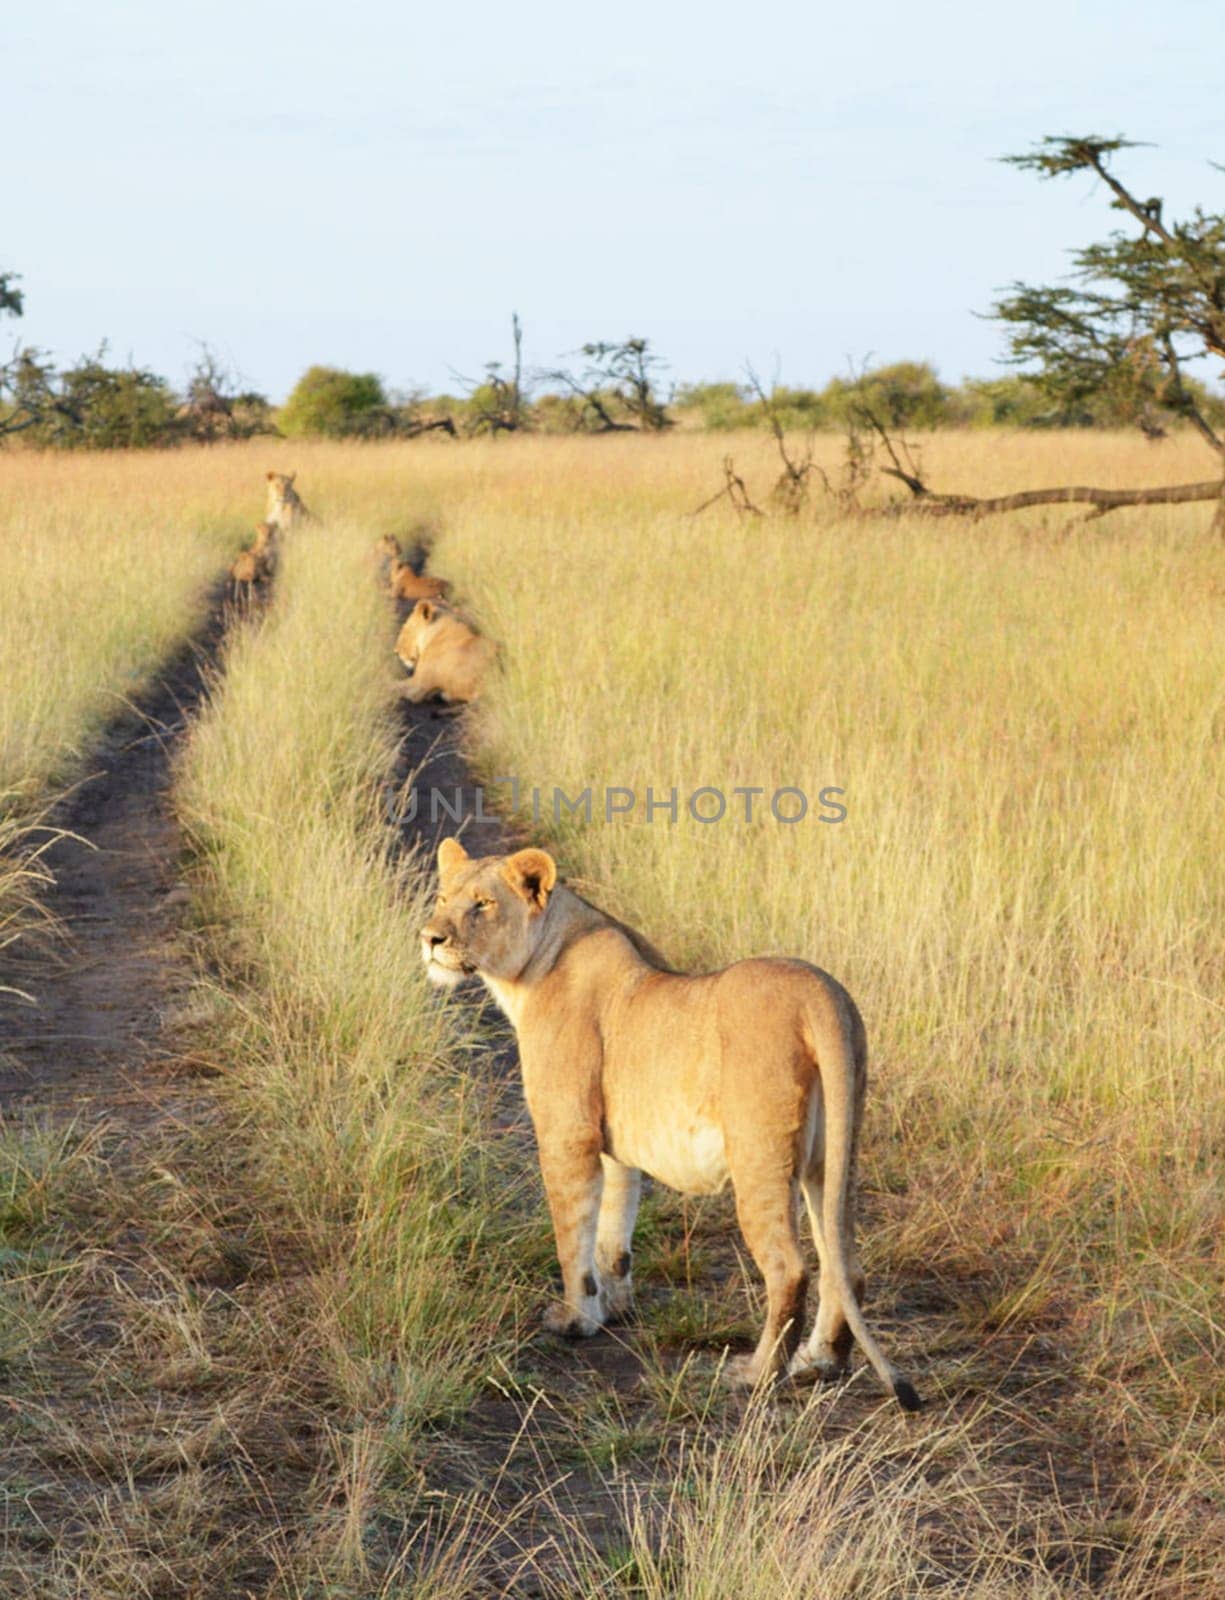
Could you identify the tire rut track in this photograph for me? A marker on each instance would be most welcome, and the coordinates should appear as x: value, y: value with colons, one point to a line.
x: 145, y: 1452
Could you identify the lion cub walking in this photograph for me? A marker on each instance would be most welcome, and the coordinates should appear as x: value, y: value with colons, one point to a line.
x: 755, y: 1074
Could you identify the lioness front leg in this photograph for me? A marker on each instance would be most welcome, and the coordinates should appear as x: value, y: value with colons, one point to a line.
x: 614, y: 1241
x: 573, y: 1183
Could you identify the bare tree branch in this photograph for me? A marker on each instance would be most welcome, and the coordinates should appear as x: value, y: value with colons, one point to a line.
x: 733, y: 490
x: 935, y: 504
x: 1184, y: 403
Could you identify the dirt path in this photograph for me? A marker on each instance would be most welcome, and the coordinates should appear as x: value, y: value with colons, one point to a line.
x: 85, y: 1047
x: 143, y: 1452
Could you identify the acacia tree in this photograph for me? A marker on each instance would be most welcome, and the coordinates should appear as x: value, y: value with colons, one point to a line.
x: 27, y: 379
x: 1143, y: 303
x: 215, y: 408
x: 12, y: 301
x: 618, y: 378
x: 15, y: 375
x: 499, y: 403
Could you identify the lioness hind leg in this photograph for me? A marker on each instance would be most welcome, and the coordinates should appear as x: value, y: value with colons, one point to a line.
x: 766, y: 1213
x: 615, y: 1234
x: 573, y: 1183
x: 828, y: 1350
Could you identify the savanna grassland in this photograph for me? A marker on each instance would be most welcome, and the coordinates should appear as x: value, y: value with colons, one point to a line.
x: 104, y: 564
x: 1024, y: 718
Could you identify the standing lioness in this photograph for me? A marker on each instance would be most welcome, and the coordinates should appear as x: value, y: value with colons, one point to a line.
x: 756, y: 1073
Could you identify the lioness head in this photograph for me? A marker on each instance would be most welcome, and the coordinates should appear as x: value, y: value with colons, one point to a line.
x: 487, y: 918
x: 417, y: 626
x: 282, y: 482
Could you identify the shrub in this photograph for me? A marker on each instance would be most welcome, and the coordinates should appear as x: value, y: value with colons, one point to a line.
x: 95, y: 407
x: 907, y: 394
x: 717, y: 405
x: 336, y: 404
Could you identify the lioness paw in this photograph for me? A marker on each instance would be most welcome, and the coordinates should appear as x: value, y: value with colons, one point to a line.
x: 570, y: 1324
x: 809, y: 1365
x: 741, y: 1372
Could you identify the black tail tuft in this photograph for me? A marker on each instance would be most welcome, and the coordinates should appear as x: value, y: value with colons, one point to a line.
x: 906, y: 1396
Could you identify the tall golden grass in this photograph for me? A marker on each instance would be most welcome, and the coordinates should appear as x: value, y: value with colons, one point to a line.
x: 105, y: 564
x: 1025, y: 897
x: 349, y: 1070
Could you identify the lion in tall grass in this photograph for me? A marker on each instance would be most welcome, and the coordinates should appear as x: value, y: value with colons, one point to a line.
x: 444, y: 655
x: 285, y: 505
x: 755, y: 1074
x: 405, y: 584
x: 257, y: 563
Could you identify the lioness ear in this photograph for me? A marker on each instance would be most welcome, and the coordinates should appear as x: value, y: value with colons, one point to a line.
x: 270, y: 476
x: 425, y: 611
x: 531, y: 874
x: 451, y: 854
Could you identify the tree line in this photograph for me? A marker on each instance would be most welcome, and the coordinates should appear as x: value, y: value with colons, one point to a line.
x: 1110, y: 347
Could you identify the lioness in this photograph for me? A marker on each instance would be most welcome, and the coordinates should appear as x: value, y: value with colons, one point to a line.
x: 406, y: 584
x: 444, y: 654
x: 755, y: 1073
x: 285, y: 505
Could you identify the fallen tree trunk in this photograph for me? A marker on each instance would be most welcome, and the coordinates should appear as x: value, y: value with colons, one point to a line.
x: 414, y: 430
x: 935, y: 504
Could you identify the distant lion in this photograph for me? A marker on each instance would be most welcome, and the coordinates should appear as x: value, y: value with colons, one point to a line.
x: 409, y: 585
x: 245, y: 568
x: 754, y: 1074
x: 444, y: 655
x: 257, y: 563
x: 285, y: 506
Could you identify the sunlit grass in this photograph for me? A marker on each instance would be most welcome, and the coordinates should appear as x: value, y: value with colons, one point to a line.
x: 1025, y: 897
x: 349, y: 1064
x: 105, y: 564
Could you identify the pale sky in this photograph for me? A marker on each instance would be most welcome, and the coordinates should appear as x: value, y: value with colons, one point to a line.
x: 379, y: 185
